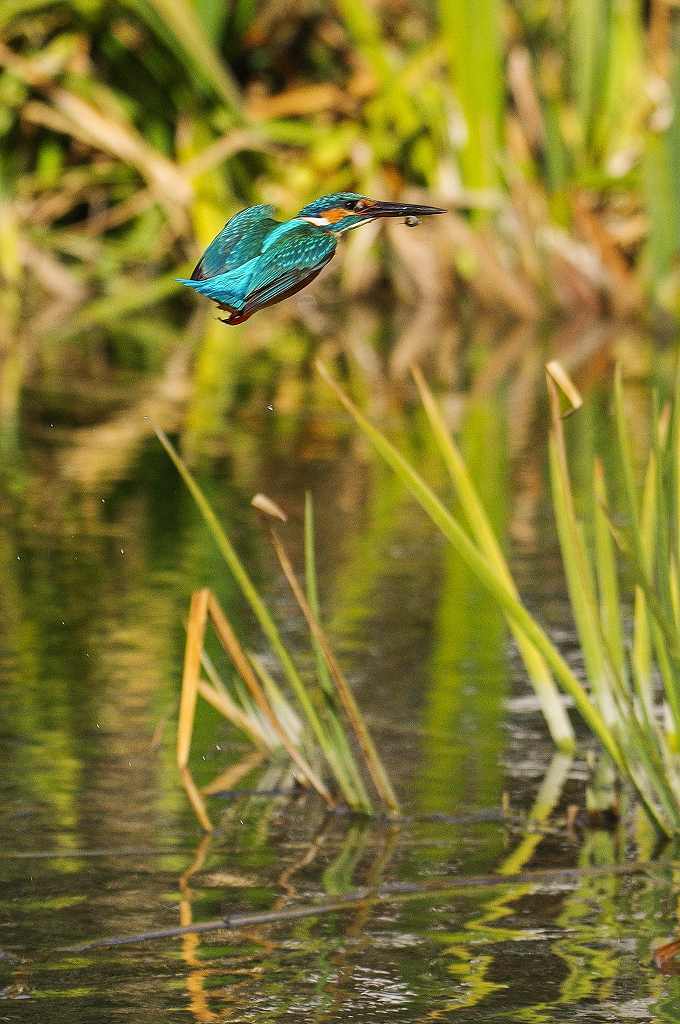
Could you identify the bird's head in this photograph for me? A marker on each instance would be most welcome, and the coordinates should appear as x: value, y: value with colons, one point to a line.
x: 342, y: 211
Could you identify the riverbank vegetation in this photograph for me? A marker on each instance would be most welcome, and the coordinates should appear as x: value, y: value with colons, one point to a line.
x: 630, y: 700
x: 131, y: 131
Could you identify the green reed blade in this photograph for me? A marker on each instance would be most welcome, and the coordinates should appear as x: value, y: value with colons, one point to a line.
x: 633, y: 535
x: 626, y: 461
x: 642, y: 652
x: 352, y: 711
x: 630, y: 538
x: 478, y: 522
x: 578, y: 569
x: 353, y: 787
x: 249, y: 591
x: 485, y: 571
x: 179, y: 19
x: 311, y: 585
x: 674, y: 454
x: 645, y: 768
x: 619, y: 95
x: 607, y: 576
x: 660, y: 567
x: 669, y: 669
x: 579, y: 584
x: 657, y: 541
x: 472, y: 34
x: 588, y: 53
x: 660, y: 193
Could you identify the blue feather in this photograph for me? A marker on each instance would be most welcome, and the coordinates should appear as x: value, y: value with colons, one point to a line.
x: 288, y: 262
x: 291, y: 255
x: 319, y: 206
x: 229, y: 289
x: 241, y: 239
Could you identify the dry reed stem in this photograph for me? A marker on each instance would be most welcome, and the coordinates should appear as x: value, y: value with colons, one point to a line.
x: 232, y: 712
x: 231, y: 776
x: 521, y: 79
x: 558, y: 376
x: 195, y: 799
x: 198, y: 617
x: 233, y: 648
x: 373, y: 762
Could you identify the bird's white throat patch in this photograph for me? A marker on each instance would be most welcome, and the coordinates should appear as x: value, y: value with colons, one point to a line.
x: 320, y: 222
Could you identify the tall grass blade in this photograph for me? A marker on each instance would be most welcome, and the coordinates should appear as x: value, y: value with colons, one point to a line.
x: 248, y: 590
x: 231, y: 644
x: 577, y: 565
x: 478, y: 522
x: 191, y: 40
x: 472, y: 33
x: 481, y: 567
x: 623, y: 78
x: 588, y: 31
x: 642, y: 642
x: 312, y: 589
x: 607, y: 578
x: 373, y: 763
x: 340, y: 742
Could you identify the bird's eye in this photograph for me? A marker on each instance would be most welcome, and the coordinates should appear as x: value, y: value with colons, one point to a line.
x: 353, y: 204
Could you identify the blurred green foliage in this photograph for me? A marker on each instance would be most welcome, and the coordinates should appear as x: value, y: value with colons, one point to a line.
x: 132, y: 129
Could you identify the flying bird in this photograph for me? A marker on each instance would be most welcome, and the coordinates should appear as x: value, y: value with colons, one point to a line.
x: 256, y: 261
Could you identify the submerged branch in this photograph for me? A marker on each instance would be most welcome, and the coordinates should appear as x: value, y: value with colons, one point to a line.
x: 389, y: 893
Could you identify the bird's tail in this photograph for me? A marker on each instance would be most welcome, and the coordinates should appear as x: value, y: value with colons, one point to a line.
x: 219, y: 289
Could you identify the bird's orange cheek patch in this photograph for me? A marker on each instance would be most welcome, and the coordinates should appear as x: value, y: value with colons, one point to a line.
x: 333, y: 216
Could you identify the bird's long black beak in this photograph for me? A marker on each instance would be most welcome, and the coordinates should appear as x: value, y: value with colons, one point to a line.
x: 400, y: 210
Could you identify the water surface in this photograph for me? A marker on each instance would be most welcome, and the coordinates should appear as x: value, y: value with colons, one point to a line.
x: 100, y: 548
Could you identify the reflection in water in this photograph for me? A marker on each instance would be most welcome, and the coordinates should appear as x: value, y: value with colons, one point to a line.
x: 99, y: 550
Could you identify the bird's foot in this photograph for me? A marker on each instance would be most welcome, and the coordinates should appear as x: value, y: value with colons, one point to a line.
x: 234, y: 318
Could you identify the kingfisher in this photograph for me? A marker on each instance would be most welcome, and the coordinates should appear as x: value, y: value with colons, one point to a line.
x: 256, y: 260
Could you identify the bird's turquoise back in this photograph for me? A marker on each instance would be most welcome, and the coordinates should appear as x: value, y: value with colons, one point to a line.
x: 241, y: 239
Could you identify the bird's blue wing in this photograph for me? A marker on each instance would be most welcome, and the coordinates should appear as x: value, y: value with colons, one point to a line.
x: 240, y: 240
x: 290, y: 262
x: 287, y: 265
